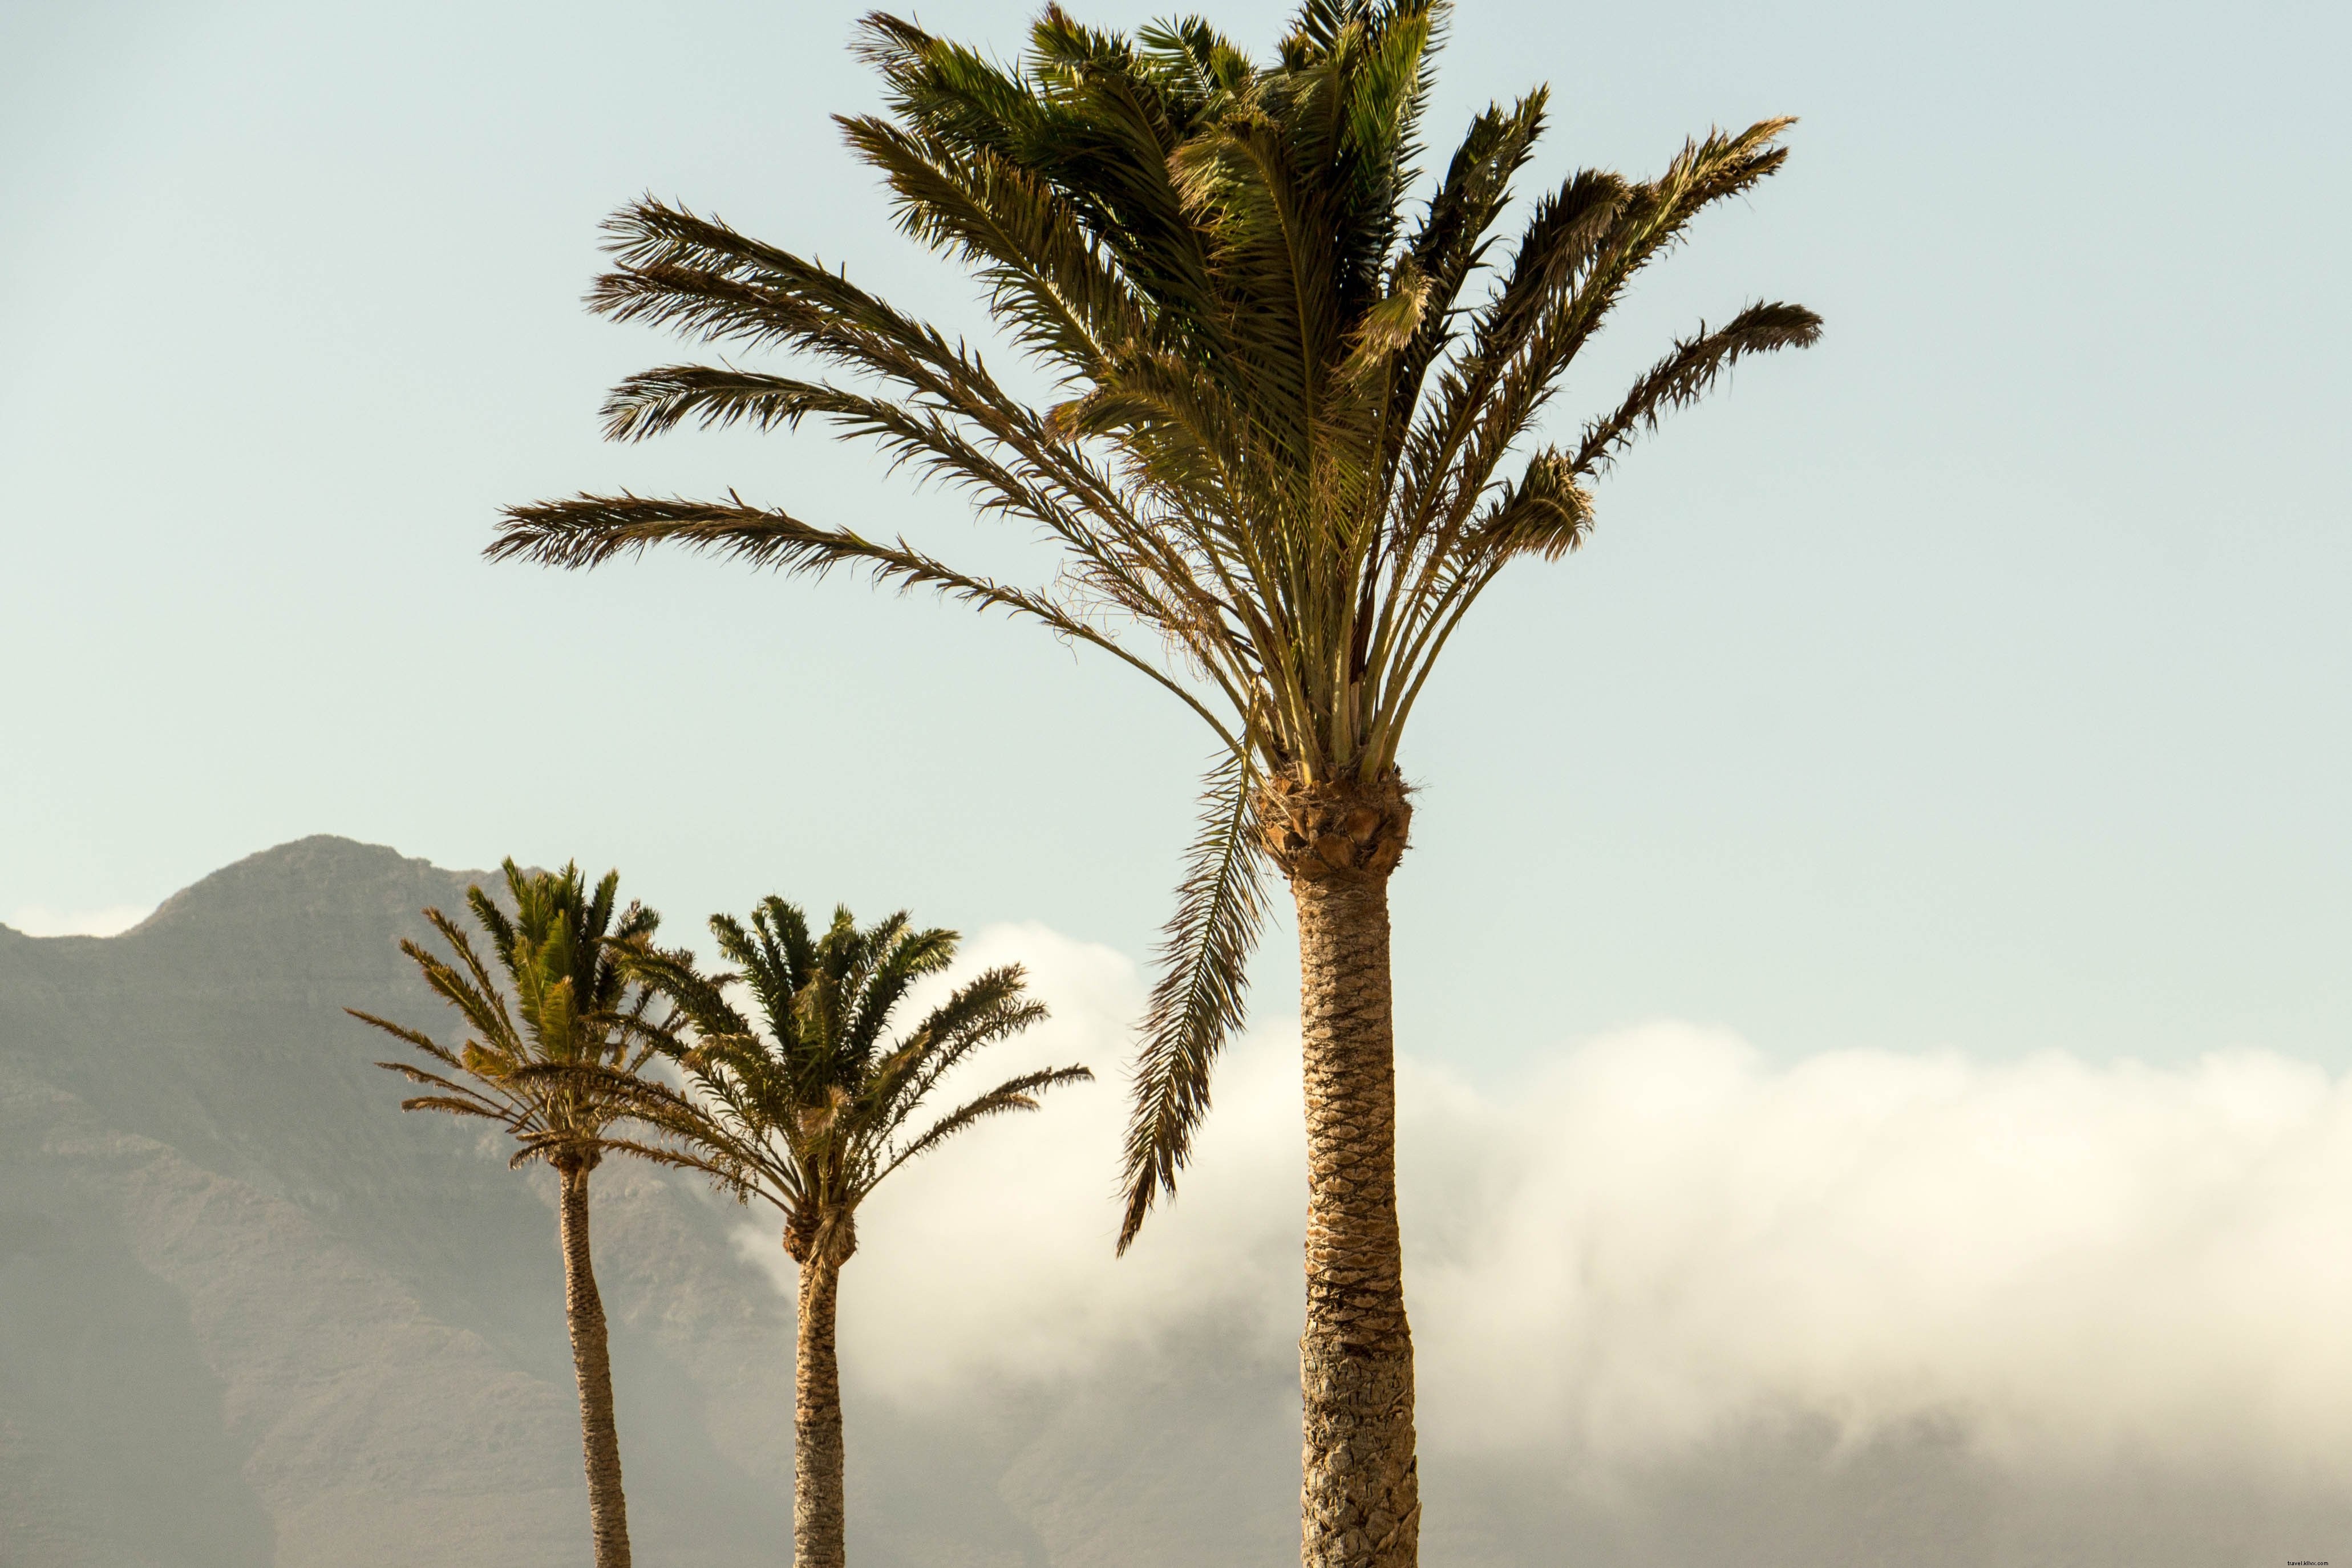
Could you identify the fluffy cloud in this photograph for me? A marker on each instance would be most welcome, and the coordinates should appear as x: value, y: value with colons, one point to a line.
x: 2074, y: 1264
x: 1666, y: 1237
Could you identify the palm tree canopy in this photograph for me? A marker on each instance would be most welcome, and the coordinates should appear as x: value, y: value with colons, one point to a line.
x: 1290, y: 445
x: 566, y: 1003
x: 811, y: 1105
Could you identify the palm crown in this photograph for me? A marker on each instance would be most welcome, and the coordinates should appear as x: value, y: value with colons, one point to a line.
x: 541, y: 1065
x: 1288, y: 448
x: 810, y: 1109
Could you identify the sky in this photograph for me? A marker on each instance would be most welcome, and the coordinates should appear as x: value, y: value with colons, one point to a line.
x: 1972, y: 683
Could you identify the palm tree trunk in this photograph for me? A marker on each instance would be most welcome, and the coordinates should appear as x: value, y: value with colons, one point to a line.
x: 591, y: 1363
x: 1360, y: 1500
x: 818, y: 1524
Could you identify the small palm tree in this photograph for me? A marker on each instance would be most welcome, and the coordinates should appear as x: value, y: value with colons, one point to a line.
x: 566, y: 1004
x: 1289, y: 446
x: 809, y: 1111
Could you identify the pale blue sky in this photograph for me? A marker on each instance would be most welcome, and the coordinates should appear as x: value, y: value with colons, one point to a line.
x: 1978, y: 679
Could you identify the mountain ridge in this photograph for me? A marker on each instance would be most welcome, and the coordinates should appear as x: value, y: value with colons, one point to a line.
x: 195, y: 1077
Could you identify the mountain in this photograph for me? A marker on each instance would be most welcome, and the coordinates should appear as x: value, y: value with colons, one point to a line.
x: 254, y: 1314
x: 251, y: 1314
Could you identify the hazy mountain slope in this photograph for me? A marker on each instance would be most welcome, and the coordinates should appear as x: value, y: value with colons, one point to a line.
x: 105, y: 1393
x: 253, y: 1314
x: 365, y: 1429
x: 216, y: 1028
x: 231, y: 1261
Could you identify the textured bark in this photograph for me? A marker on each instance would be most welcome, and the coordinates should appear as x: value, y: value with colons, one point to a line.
x: 591, y: 1363
x: 1360, y: 1497
x: 818, y: 1522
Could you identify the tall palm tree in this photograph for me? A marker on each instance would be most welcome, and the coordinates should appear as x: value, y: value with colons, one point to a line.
x: 1276, y: 466
x: 809, y: 1111
x: 565, y: 1003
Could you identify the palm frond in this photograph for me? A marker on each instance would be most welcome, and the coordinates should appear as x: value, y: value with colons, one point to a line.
x: 1690, y: 370
x: 417, y: 1037
x: 453, y: 1106
x: 1201, y: 998
x: 1015, y: 1094
x: 588, y: 530
x: 990, y: 1007
x: 552, y: 1058
x: 1546, y: 513
x: 803, y: 1113
x: 1045, y: 277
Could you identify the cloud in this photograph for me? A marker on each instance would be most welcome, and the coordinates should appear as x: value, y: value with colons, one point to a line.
x: 35, y: 920
x: 2071, y: 1264
x: 1666, y: 1238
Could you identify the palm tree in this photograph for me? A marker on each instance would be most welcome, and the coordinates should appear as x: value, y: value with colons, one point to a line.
x: 1275, y: 464
x: 809, y: 1112
x: 566, y: 1003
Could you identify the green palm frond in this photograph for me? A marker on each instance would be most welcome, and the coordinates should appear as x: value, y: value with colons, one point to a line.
x: 1201, y: 998
x: 589, y: 530
x: 803, y: 1106
x: 556, y: 1033
x: 1013, y: 1094
x: 455, y: 1104
x: 884, y: 985
x: 992, y: 1007
x: 1690, y: 370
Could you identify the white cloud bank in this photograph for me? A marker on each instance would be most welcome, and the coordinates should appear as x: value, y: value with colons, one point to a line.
x: 35, y: 920
x: 1665, y: 1238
